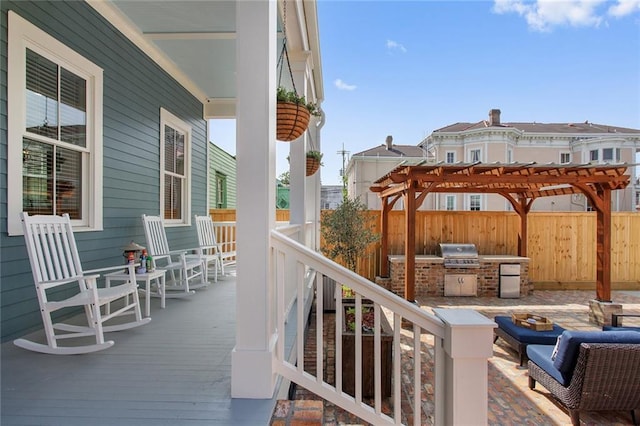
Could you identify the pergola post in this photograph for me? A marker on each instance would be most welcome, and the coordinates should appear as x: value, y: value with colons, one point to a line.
x: 523, y: 211
x: 603, y: 246
x: 410, y: 243
x: 384, y: 239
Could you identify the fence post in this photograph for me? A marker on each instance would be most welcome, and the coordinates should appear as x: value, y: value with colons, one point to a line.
x: 468, y: 344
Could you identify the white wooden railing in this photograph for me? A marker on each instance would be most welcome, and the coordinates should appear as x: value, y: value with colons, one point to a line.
x: 409, y: 324
x: 226, y: 235
x: 451, y: 389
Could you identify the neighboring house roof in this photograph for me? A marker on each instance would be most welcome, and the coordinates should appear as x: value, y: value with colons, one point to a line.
x: 393, y: 151
x: 586, y: 127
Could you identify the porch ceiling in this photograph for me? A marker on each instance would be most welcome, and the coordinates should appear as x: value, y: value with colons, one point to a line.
x: 197, y: 36
x: 195, y: 41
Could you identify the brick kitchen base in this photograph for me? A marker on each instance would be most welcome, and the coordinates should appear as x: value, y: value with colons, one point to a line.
x: 430, y: 275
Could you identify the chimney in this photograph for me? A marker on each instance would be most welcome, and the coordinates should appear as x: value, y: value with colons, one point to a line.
x: 494, y: 117
x: 389, y: 142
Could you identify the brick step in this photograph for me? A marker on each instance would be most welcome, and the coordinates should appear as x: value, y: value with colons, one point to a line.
x: 299, y: 412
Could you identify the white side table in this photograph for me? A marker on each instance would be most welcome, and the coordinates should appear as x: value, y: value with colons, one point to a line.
x: 158, y: 275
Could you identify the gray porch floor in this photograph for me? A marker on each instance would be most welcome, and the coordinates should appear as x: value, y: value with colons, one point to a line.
x: 176, y: 370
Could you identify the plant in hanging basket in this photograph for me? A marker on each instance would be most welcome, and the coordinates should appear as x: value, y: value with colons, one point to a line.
x: 292, y: 118
x: 314, y: 161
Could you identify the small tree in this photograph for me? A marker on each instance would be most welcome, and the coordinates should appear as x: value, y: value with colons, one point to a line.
x: 347, y: 232
x: 284, y: 178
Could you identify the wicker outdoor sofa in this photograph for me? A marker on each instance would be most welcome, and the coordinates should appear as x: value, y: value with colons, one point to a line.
x: 591, y: 371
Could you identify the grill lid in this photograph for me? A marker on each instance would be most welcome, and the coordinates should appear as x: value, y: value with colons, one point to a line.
x: 459, y: 255
x: 450, y: 250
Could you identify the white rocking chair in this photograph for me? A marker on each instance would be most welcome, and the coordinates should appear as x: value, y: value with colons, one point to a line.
x: 209, y: 244
x: 185, y: 272
x: 55, y: 264
x: 207, y: 248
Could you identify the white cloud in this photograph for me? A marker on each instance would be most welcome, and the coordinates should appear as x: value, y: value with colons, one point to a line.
x: 544, y: 15
x: 392, y: 45
x: 624, y: 8
x: 344, y: 86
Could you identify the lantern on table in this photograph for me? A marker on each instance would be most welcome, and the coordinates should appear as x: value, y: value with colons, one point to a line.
x: 132, y: 252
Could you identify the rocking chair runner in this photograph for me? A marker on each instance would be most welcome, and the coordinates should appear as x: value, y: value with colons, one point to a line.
x: 55, y: 264
x: 184, y: 272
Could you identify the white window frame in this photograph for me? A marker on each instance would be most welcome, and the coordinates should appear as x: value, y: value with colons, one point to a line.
x: 615, y: 155
x: 23, y: 35
x: 453, y: 157
x: 471, y: 197
x: 471, y: 151
x: 450, y: 198
x: 171, y: 120
x: 563, y: 154
x: 221, y: 190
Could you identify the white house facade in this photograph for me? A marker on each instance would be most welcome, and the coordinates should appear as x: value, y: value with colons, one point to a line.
x: 492, y: 140
x: 365, y: 167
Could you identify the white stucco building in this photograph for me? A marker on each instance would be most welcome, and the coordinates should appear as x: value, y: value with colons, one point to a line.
x: 365, y: 167
x: 492, y: 140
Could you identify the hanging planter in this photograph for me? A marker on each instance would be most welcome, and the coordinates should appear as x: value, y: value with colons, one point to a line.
x: 293, y: 114
x: 314, y: 161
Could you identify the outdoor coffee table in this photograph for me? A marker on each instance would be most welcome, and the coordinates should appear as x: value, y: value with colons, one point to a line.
x: 158, y: 275
x: 519, y: 337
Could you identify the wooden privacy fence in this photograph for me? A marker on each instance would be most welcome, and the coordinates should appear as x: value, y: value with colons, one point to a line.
x: 561, y: 245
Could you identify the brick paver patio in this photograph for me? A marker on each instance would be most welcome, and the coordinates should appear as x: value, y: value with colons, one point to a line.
x: 511, y: 402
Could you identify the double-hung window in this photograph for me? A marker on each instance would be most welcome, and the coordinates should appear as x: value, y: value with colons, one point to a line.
x: 54, y: 129
x: 451, y: 157
x: 474, y: 202
x: 475, y: 155
x: 450, y: 202
x: 611, y: 154
x: 221, y: 191
x: 175, y: 163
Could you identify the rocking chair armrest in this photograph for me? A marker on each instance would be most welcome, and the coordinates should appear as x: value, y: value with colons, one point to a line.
x: 55, y: 283
x: 201, y: 249
x: 179, y: 252
x: 111, y: 268
x: 228, y: 243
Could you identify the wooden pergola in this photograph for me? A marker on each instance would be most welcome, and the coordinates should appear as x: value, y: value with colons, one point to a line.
x: 520, y: 183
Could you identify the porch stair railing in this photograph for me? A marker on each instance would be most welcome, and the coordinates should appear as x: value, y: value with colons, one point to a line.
x: 292, y: 263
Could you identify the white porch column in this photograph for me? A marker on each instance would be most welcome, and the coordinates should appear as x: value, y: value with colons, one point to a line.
x: 468, y: 344
x: 299, y: 147
x: 313, y: 193
x: 252, y: 374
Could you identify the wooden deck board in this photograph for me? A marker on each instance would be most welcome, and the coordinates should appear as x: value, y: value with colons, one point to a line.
x: 176, y: 370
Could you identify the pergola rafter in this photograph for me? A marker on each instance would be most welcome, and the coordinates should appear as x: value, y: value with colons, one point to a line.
x: 520, y: 183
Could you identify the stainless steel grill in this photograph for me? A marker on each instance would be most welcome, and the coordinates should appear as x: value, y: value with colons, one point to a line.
x: 459, y: 255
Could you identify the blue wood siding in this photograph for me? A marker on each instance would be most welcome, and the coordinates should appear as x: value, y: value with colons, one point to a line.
x: 135, y: 88
x: 220, y: 161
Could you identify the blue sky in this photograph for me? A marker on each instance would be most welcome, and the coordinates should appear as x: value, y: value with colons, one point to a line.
x: 408, y: 68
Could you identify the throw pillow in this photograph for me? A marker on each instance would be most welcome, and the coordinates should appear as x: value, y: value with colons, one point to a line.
x: 555, y: 348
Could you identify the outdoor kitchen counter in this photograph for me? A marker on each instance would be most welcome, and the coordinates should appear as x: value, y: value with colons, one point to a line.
x: 430, y: 275
x: 482, y: 258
